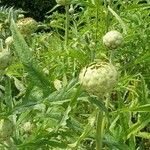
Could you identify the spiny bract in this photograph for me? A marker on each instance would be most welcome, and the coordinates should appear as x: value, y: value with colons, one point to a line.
x: 98, y: 78
x: 113, y: 39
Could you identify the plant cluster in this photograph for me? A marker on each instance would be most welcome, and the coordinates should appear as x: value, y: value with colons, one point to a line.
x: 84, y: 85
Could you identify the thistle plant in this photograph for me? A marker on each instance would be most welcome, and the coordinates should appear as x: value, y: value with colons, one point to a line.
x: 41, y: 92
x: 99, y: 79
x: 27, y: 26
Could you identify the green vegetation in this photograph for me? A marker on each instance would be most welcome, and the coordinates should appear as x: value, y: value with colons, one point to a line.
x: 45, y: 105
x: 34, y: 8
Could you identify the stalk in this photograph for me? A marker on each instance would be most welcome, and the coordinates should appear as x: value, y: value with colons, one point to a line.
x: 107, y: 3
x: 97, y: 18
x: 112, y: 56
x: 99, y: 130
x: 100, y: 126
x: 97, y: 2
x: 67, y: 25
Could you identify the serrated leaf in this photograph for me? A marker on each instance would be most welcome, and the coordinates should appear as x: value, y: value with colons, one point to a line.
x: 138, y: 126
x: 26, y: 58
x: 100, y: 104
x: 143, y: 108
x: 86, y: 131
x: 65, y: 117
x: 8, y: 94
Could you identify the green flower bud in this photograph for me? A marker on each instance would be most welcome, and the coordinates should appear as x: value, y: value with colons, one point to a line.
x: 113, y: 39
x: 98, y: 78
x: 27, y: 26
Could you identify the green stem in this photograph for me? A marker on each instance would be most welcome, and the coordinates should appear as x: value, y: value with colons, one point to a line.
x: 99, y: 130
x: 96, y: 33
x: 67, y: 25
x: 112, y: 56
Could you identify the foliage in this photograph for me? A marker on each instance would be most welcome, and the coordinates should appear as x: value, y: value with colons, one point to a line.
x: 35, y: 8
x: 40, y: 92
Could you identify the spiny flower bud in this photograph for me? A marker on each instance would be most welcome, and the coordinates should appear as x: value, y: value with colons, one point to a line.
x: 98, y: 78
x: 113, y: 39
x: 6, y: 128
x: 62, y: 2
x: 27, y: 25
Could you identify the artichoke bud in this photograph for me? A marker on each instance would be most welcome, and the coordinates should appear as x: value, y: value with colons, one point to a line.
x: 113, y: 39
x: 27, y: 26
x: 98, y: 78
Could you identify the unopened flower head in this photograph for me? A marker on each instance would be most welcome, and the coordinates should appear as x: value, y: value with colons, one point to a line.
x: 113, y: 39
x: 98, y: 78
x: 27, y: 25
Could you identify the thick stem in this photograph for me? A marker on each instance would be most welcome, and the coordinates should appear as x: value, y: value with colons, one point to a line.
x: 99, y: 130
x: 112, y: 56
x: 67, y: 25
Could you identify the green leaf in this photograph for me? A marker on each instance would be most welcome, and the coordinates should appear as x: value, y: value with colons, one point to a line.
x: 42, y: 142
x: 87, y: 129
x: 144, y: 135
x: 26, y: 58
x: 65, y: 117
x: 111, y: 142
x: 21, y: 46
x: 138, y: 126
x: 8, y: 94
x: 99, y: 103
x: 119, y: 19
x: 143, y: 108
